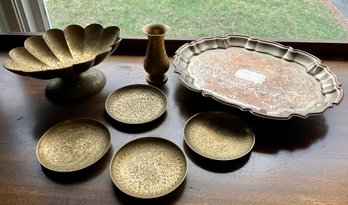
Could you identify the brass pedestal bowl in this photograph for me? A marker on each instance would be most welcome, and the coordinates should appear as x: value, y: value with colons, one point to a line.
x: 65, y: 57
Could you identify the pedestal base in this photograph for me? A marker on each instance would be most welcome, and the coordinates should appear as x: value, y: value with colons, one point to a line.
x: 157, y: 81
x: 88, y: 83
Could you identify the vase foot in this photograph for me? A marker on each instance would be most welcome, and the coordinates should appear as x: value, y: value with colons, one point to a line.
x: 157, y: 81
x: 88, y: 83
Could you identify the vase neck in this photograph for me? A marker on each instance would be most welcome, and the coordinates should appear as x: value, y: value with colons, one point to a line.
x: 156, y: 40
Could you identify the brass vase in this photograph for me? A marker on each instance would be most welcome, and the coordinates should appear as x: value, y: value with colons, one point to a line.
x: 156, y: 62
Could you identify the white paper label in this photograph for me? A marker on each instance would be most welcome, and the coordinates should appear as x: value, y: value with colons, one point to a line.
x: 250, y: 76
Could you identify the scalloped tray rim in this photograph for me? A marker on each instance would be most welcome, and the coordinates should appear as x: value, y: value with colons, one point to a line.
x: 249, y: 40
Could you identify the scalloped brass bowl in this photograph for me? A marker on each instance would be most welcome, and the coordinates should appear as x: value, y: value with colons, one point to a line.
x: 66, y: 55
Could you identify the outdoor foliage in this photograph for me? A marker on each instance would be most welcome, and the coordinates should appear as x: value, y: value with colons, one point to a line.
x: 277, y: 19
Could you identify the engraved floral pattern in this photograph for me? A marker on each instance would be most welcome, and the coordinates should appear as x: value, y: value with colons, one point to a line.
x: 263, y: 77
x: 136, y: 104
x: 286, y: 87
x: 148, y: 168
x: 73, y: 145
x: 219, y: 136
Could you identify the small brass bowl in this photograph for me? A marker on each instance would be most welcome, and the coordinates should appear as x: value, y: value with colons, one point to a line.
x: 148, y: 167
x: 136, y: 104
x: 219, y: 136
x: 73, y: 145
x: 65, y: 56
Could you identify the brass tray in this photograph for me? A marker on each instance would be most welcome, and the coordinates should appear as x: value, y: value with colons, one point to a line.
x: 73, y: 145
x: 219, y: 136
x: 263, y: 77
x: 148, y: 167
x: 136, y: 104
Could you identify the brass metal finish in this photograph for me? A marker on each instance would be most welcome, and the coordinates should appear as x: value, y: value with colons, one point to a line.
x: 88, y: 83
x: 148, y: 167
x: 66, y: 54
x: 156, y: 62
x: 268, y: 79
x: 136, y: 104
x: 73, y: 145
x: 219, y: 136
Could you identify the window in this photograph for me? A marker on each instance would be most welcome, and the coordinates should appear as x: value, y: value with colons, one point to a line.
x: 23, y: 16
x: 275, y: 19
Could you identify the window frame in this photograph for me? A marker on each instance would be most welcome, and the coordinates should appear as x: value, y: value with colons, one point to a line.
x: 27, y: 18
x: 330, y: 50
x: 24, y: 16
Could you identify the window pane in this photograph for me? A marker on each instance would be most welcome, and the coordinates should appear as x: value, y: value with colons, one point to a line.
x: 277, y: 19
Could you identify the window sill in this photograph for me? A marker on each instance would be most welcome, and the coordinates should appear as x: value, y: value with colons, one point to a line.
x: 137, y: 46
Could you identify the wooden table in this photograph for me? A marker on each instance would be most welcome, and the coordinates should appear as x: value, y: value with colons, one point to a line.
x: 297, y: 161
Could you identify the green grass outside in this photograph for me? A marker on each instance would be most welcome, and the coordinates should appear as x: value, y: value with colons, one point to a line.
x: 272, y: 19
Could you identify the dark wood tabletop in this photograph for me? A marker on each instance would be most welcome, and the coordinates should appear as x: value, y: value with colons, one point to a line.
x: 296, y: 161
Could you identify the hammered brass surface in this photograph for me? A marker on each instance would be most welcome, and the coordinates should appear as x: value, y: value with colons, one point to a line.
x: 136, y: 104
x: 73, y: 145
x: 148, y: 167
x: 219, y: 136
